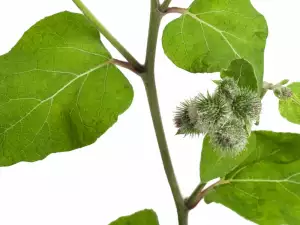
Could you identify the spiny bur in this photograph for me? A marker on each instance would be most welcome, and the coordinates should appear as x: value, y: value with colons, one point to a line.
x: 228, y: 88
x: 247, y: 105
x: 183, y: 121
x: 212, y: 110
x: 230, y: 138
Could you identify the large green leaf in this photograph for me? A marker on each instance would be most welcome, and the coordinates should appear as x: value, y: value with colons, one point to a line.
x: 210, y: 34
x: 290, y: 108
x: 58, y: 90
x: 146, y: 217
x: 241, y: 71
x: 264, y: 186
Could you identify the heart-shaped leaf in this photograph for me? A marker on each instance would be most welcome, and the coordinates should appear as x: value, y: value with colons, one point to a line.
x: 211, y: 34
x: 58, y: 90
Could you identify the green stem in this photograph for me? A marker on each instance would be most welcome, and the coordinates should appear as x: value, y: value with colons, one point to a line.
x: 148, y: 75
x: 193, y: 200
x: 109, y: 36
x: 149, y: 81
x: 266, y: 87
x: 199, y: 193
x: 164, y: 6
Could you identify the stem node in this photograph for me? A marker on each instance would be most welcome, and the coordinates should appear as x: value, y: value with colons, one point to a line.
x: 175, y: 10
x: 199, y: 193
x: 138, y: 71
x: 102, y: 29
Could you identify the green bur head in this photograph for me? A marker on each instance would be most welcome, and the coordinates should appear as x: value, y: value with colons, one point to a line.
x: 184, y: 119
x: 247, y: 105
x: 228, y: 88
x: 229, y: 138
x: 212, y: 110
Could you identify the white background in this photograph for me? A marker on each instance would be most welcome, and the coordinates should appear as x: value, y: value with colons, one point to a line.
x: 122, y: 173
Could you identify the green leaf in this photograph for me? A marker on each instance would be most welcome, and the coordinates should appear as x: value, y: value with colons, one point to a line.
x: 210, y: 34
x: 214, y: 165
x: 58, y: 90
x: 264, y: 186
x: 241, y: 71
x: 290, y: 108
x: 146, y: 217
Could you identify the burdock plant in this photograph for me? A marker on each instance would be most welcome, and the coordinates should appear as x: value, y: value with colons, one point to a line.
x: 61, y: 89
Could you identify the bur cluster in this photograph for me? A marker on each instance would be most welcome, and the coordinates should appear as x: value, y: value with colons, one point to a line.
x: 226, y: 116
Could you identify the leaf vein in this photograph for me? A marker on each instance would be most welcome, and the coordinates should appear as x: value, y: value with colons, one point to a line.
x: 54, y: 95
x: 217, y: 30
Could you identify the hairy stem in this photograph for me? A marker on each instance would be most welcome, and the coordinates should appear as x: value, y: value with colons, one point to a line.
x: 149, y: 81
x: 199, y: 194
x: 109, y: 36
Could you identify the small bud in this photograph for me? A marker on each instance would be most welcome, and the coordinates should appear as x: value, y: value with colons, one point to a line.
x: 183, y: 121
x: 228, y: 88
x: 283, y: 93
x: 247, y: 105
x: 230, y: 138
x: 212, y: 110
x: 284, y: 82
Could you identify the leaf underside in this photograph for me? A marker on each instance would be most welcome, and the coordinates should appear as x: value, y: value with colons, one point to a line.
x: 263, y: 181
x: 290, y: 108
x: 145, y: 217
x: 58, y: 90
x: 211, y: 34
x: 242, y: 72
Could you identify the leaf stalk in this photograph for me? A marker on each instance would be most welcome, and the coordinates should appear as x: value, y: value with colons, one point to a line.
x: 102, y: 29
x: 125, y: 65
x: 199, y: 193
x: 175, y: 10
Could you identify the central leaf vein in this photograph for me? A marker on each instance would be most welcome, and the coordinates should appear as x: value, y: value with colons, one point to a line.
x: 217, y: 30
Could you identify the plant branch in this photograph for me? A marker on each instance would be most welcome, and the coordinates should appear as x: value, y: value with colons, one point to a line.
x: 165, y: 5
x: 199, y: 194
x: 109, y: 36
x: 266, y: 87
x: 175, y: 10
x: 150, y: 86
x: 194, y: 195
x: 125, y: 65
